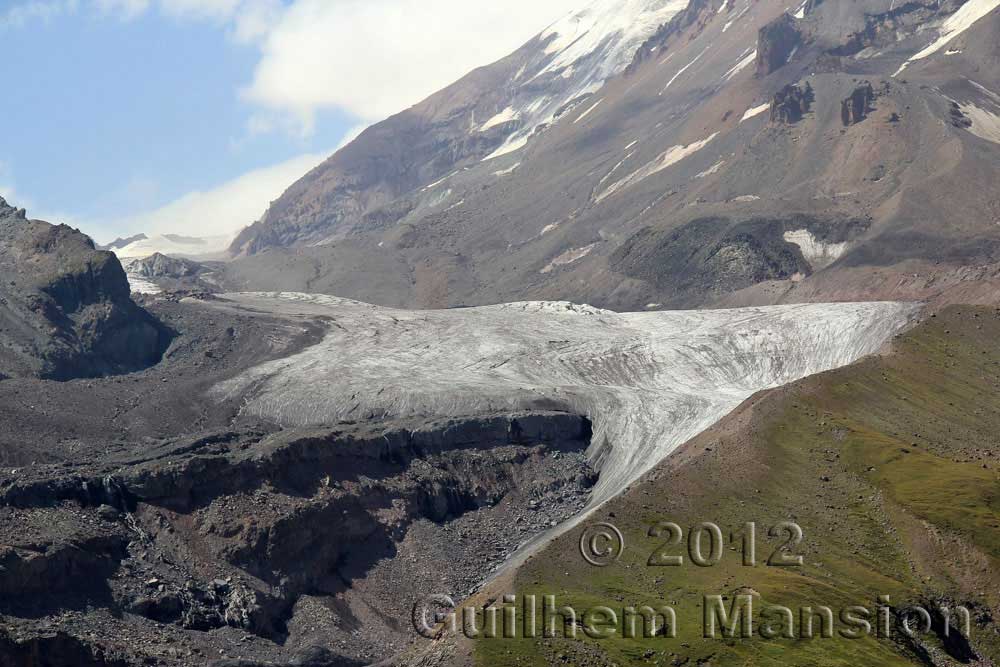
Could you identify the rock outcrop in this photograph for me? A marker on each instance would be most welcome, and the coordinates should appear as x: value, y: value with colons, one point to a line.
x: 792, y: 103
x: 776, y: 43
x: 65, y: 308
x: 858, y: 105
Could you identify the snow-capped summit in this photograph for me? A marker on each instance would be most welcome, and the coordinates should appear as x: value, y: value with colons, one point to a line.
x: 579, y: 53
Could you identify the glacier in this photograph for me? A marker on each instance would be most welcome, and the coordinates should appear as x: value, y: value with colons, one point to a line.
x: 648, y: 381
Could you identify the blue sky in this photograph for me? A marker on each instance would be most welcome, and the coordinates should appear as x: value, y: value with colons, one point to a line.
x: 190, y: 115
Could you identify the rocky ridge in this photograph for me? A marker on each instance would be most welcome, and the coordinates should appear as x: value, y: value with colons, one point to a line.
x: 65, y: 309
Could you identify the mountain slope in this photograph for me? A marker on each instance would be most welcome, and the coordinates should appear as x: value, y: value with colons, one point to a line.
x: 491, y: 112
x: 822, y: 175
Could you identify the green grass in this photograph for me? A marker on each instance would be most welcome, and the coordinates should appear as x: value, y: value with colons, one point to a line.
x: 882, y: 465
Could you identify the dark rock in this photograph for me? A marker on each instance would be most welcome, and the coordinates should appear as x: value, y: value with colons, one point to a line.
x: 65, y: 308
x: 958, y: 117
x: 318, y: 656
x: 858, y: 105
x: 717, y: 255
x: 792, y: 103
x: 776, y: 42
x: 60, y: 648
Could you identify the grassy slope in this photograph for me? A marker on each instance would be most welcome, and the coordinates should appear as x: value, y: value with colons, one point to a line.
x: 891, y: 468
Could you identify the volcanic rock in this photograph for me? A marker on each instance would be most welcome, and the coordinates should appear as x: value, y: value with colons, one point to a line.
x: 65, y: 309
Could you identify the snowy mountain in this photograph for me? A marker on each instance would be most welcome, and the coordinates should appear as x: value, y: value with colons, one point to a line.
x: 580, y: 53
x: 174, y: 245
x: 494, y: 111
x: 646, y: 154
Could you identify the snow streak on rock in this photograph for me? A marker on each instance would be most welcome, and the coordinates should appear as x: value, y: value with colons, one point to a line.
x: 967, y: 15
x: 671, y: 157
x: 582, y: 51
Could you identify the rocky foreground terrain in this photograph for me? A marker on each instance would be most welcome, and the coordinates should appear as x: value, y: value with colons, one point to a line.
x: 144, y: 523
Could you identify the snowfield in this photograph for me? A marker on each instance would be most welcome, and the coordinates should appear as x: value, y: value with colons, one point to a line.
x: 648, y: 381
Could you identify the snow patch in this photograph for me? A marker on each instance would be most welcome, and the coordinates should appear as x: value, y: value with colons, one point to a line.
x: 735, y: 19
x: 437, y: 183
x: 671, y: 157
x: 741, y: 65
x: 985, y: 124
x: 986, y: 91
x: 587, y: 112
x: 966, y: 16
x: 683, y: 69
x: 711, y: 170
x: 508, y: 170
x: 816, y: 252
x: 569, y: 257
x: 505, y: 116
x: 755, y: 111
x: 514, y: 143
x: 615, y: 168
x: 745, y: 198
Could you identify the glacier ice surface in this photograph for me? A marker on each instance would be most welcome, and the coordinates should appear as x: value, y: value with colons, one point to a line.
x: 648, y: 381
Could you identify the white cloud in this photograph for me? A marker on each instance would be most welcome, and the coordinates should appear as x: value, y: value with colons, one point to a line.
x: 222, y: 210
x: 127, y: 9
x: 368, y: 58
x: 20, y: 14
x: 373, y: 58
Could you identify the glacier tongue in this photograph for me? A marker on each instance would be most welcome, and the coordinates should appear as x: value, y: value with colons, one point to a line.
x: 648, y: 381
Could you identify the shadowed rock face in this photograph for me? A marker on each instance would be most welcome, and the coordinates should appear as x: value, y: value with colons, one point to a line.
x: 792, y: 103
x: 65, y: 308
x: 857, y: 107
x: 776, y: 43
